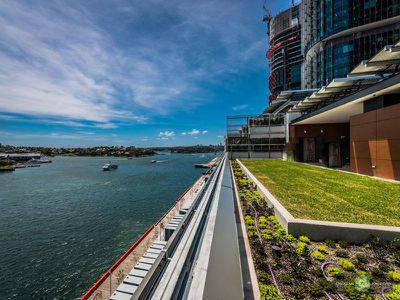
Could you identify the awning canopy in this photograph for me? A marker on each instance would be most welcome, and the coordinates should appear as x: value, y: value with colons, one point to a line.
x: 385, y: 61
x: 337, y: 89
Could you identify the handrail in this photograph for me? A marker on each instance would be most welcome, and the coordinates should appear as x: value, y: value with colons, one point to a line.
x: 129, y: 251
x: 116, y: 264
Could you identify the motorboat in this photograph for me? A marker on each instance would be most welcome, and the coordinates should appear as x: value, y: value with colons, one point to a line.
x: 109, y: 167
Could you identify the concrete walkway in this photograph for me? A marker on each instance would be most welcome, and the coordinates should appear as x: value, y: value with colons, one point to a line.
x: 224, y: 276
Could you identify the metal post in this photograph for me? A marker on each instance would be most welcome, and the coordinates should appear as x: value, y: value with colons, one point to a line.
x: 110, y: 282
x: 269, y: 135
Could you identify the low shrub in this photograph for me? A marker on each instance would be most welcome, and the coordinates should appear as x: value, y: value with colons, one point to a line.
x: 273, y: 220
x: 394, y: 294
x: 362, y: 258
x: 298, y: 292
x: 302, y: 249
x: 264, y: 277
x: 330, y: 244
x: 262, y: 220
x: 279, y: 232
x: 317, y: 272
x: 322, y: 249
x: 353, y: 294
x: 346, y: 264
x: 290, y: 238
x: 343, y: 244
x: 318, y: 256
x: 342, y: 253
x: 269, y: 292
x: 396, y: 256
x: 377, y: 273
x: 286, y: 279
x: 360, y: 273
x: 395, y: 276
x: 304, y: 239
x: 318, y: 288
x: 385, y: 267
x: 249, y: 220
x: 252, y: 228
x: 266, y: 234
x: 335, y: 272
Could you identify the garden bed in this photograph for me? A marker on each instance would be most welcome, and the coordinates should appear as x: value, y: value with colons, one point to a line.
x: 314, y: 193
x: 297, y: 268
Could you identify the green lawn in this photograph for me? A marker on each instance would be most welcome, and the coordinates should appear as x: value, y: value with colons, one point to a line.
x: 310, y: 192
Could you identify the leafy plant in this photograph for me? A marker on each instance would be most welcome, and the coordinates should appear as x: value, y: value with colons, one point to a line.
x: 273, y: 220
x: 384, y: 267
x: 322, y: 249
x: 264, y: 277
x: 318, y: 256
x: 249, y: 220
x: 346, y: 264
x: 335, y: 272
x: 318, y: 288
x: 290, y: 238
x: 362, y: 258
x: 298, y: 291
x: 353, y: 294
x: 360, y: 273
x: 279, y: 232
x: 330, y: 244
x: 395, y: 276
x: 343, y: 244
x: 394, y: 294
x: 304, y: 239
x: 396, y: 256
x: 266, y: 233
x: 342, y: 253
x: 302, y: 249
x: 286, y: 279
x: 269, y: 292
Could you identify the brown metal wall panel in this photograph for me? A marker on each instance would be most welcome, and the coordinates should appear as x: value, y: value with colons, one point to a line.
x: 389, y: 149
x: 363, y: 132
x: 363, y: 149
x: 375, y: 143
x: 388, y: 129
x: 360, y: 119
x: 390, y: 112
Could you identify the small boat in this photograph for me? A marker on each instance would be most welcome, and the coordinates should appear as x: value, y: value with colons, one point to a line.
x: 153, y: 161
x: 109, y: 167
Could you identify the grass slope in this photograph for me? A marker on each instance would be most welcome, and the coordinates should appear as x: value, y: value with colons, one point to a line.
x: 310, y: 192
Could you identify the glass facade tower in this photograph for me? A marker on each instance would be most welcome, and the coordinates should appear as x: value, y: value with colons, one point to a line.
x: 338, y: 34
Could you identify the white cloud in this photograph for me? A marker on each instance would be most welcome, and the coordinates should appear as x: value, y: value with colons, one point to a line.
x: 204, y: 132
x: 194, y: 132
x: 166, y: 135
x: 240, y: 107
x: 67, y: 62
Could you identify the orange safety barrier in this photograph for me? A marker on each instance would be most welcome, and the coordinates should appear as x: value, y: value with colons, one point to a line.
x: 125, y: 255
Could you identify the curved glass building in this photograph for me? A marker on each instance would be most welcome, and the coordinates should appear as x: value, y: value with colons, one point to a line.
x: 338, y: 34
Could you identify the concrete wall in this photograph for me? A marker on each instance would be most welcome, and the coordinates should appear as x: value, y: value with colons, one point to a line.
x: 375, y: 143
x: 252, y: 154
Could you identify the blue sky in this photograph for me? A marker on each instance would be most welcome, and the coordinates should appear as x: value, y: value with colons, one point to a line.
x: 143, y: 73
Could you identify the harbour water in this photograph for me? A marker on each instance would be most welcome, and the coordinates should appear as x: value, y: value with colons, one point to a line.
x: 63, y: 224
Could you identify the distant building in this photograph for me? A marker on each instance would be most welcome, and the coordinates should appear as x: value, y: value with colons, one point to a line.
x: 284, y: 52
x: 338, y: 34
x: 20, y: 156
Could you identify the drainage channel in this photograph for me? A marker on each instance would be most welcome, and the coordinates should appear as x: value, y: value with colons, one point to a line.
x: 170, y: 274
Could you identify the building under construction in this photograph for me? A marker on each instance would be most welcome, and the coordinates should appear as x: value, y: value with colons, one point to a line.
x: 284, y: 52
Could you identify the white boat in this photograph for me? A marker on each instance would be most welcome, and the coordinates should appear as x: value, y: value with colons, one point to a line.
x: 109, y: 167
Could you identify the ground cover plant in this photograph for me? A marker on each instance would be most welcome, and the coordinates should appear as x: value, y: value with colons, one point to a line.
x: 299, y: 268
x: 311, y: 192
